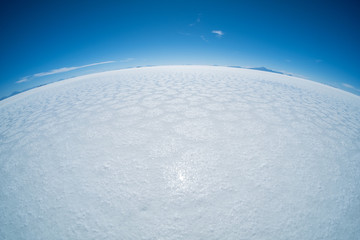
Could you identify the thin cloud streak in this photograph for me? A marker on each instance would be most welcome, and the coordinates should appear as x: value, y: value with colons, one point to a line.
x: 196, y: 22
x: 203, y: 38
x: 65, y: 69
x: 350, y: 87
x: 24, y: 79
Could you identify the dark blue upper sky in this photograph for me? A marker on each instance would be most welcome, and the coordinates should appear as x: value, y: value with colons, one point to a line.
x: 43, y: 41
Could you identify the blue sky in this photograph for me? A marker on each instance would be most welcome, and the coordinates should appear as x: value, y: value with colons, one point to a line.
x: 43, y: 41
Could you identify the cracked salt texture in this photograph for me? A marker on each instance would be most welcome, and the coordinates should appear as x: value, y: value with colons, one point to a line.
x: 180, y: 152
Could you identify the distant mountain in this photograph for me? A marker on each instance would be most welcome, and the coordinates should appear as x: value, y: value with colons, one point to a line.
x: 12, y: 94
x: 262, y: 69
x: 266, y: 70
x: 17, y: 92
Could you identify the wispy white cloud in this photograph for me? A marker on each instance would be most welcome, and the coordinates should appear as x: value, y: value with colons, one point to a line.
x: 203, y: 38
x: 61, y: 70
x: 218, y: 33
x: 24, y: 79
x: 350, y: 87
x: 67, y: 69
x: 196, y: 21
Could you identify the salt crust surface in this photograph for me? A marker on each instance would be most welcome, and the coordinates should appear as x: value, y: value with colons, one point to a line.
x: 180, y: 152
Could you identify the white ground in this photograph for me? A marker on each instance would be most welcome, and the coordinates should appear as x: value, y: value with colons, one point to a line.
x: 181, y: 152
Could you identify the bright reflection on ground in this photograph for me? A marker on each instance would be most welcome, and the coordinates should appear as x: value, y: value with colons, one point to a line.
x: 181, y: 176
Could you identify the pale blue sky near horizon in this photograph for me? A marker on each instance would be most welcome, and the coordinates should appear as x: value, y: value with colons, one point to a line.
x: 44, y: 41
